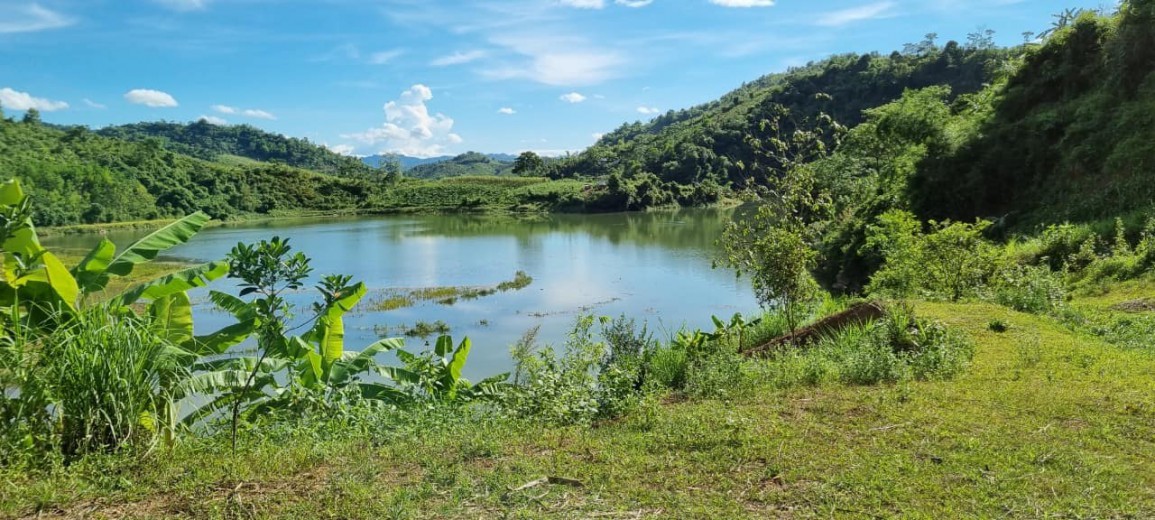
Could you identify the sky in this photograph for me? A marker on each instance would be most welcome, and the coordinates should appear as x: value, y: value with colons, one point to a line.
x: 433, y: 77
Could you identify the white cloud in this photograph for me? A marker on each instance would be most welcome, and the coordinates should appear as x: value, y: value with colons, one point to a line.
x: 556, y: 60
x: 30, y: 18
x: 507, y: 111
x: 856, y: 14
x: 458, y: 58
x: 247, y: 112
x: 597, y: 136
x: 184, y: 5
x: 150, y: 98
x: 634, y: 3
x: 23, y: 101
x: 383, y: 57
x: 743, y: 3
x: 343, y: 149
x: 258, y: 114
x: 92, y: 104
x: 409, y: 128
x: 572, y: 97
x: 585, y: 4
x: 213, y: 120
x: 648, y: 110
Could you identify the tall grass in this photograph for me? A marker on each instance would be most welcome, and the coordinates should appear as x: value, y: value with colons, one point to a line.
x: 107, y: 382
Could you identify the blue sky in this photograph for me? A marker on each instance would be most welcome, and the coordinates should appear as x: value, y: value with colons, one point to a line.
x: 442, y: 77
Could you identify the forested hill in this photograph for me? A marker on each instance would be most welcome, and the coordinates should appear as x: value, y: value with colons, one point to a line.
x: 80, y: 177
x: 1069, y: 135
x: 469, y: 163
x: 226, y: 143
x: 709, y: 142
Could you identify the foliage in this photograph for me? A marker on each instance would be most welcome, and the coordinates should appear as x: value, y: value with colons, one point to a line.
x: 468, y: 164
x: 951, y: 261
x: 211, y: 142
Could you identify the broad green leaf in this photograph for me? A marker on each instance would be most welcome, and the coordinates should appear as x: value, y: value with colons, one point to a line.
x: 243, y: 364
x: 331, y: 326
x: 455, y: 366
x: 444, y: 346
x: 191, y: 278
x: 61, y: 281
x: 10, y: 193
x: 400, y: 375
x: 172, y: 317
x: 310, y: 369
x: 90, y: 272
x: 23, y: 242
x: 353, y: 363
x: 157, y: 242
x: 380, y: 392
x: 240, y: 309
x: 220, y: 341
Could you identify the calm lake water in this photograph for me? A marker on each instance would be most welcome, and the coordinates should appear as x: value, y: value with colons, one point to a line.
x: 654, y: 267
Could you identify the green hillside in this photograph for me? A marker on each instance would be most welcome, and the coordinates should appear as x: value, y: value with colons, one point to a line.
x: 210, y: 142
x: 466, y: 164
x: 82, y: 177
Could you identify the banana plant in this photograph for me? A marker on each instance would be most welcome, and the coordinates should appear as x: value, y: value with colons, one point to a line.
x: 34, y: 278
x: 437, y: 375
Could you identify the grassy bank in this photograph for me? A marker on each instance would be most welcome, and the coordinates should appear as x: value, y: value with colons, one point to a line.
x: 1046, y: 422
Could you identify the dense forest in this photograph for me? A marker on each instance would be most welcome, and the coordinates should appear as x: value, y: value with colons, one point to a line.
x: 469, y: 163
x: 211, y: 142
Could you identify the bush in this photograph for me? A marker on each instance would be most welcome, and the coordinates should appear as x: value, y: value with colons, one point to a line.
x: 589, y: 380
x: 1034, y: 289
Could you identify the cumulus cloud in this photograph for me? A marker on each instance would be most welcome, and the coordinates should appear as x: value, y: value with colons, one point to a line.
x: 409, y: 128
x: 458, y: 58
x: 150, y: 98
x: 648, y: 110
x: 856, y: 14
x: 743, y: 3
x: 224, y: 109
x: 213, y: 120
x: 585, y: 4
x: 572, y: 97
x: 30, y: 18
x: 507, y: 111
x: 23, y: 101
x: 92, y: 104
x: 597, y: 136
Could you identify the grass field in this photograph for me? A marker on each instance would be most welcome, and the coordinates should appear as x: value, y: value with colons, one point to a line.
x: 1046, y: 423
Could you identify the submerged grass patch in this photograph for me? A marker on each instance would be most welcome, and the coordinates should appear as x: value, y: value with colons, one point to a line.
x: 392, y: 299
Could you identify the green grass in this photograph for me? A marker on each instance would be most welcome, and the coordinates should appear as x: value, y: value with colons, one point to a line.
x: 1045, y: 422
x: 392, y: 299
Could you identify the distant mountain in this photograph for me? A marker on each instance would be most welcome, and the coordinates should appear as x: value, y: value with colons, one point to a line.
x: 236, y: 144
x: 409, y: 162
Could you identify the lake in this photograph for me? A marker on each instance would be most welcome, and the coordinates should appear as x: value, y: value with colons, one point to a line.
x: 655, y: 267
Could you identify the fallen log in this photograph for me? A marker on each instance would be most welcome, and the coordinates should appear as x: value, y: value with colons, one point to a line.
x: 859, y: 314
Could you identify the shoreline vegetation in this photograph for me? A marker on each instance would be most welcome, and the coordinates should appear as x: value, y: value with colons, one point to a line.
x: 1006, y: 369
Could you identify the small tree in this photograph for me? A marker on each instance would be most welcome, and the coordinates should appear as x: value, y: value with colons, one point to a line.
x: 32, y: 117
x: 777, y: 258
x: 528, y: 163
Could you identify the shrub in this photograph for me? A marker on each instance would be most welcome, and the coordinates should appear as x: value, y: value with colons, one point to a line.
x: 1034, y: 289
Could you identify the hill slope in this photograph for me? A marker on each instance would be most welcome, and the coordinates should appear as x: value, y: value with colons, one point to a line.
x: 210, y: 142
x: 709, y: 142
x: 77, y: 176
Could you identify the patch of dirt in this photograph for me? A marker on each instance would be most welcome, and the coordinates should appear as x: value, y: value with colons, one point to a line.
x: 1140, y: 305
